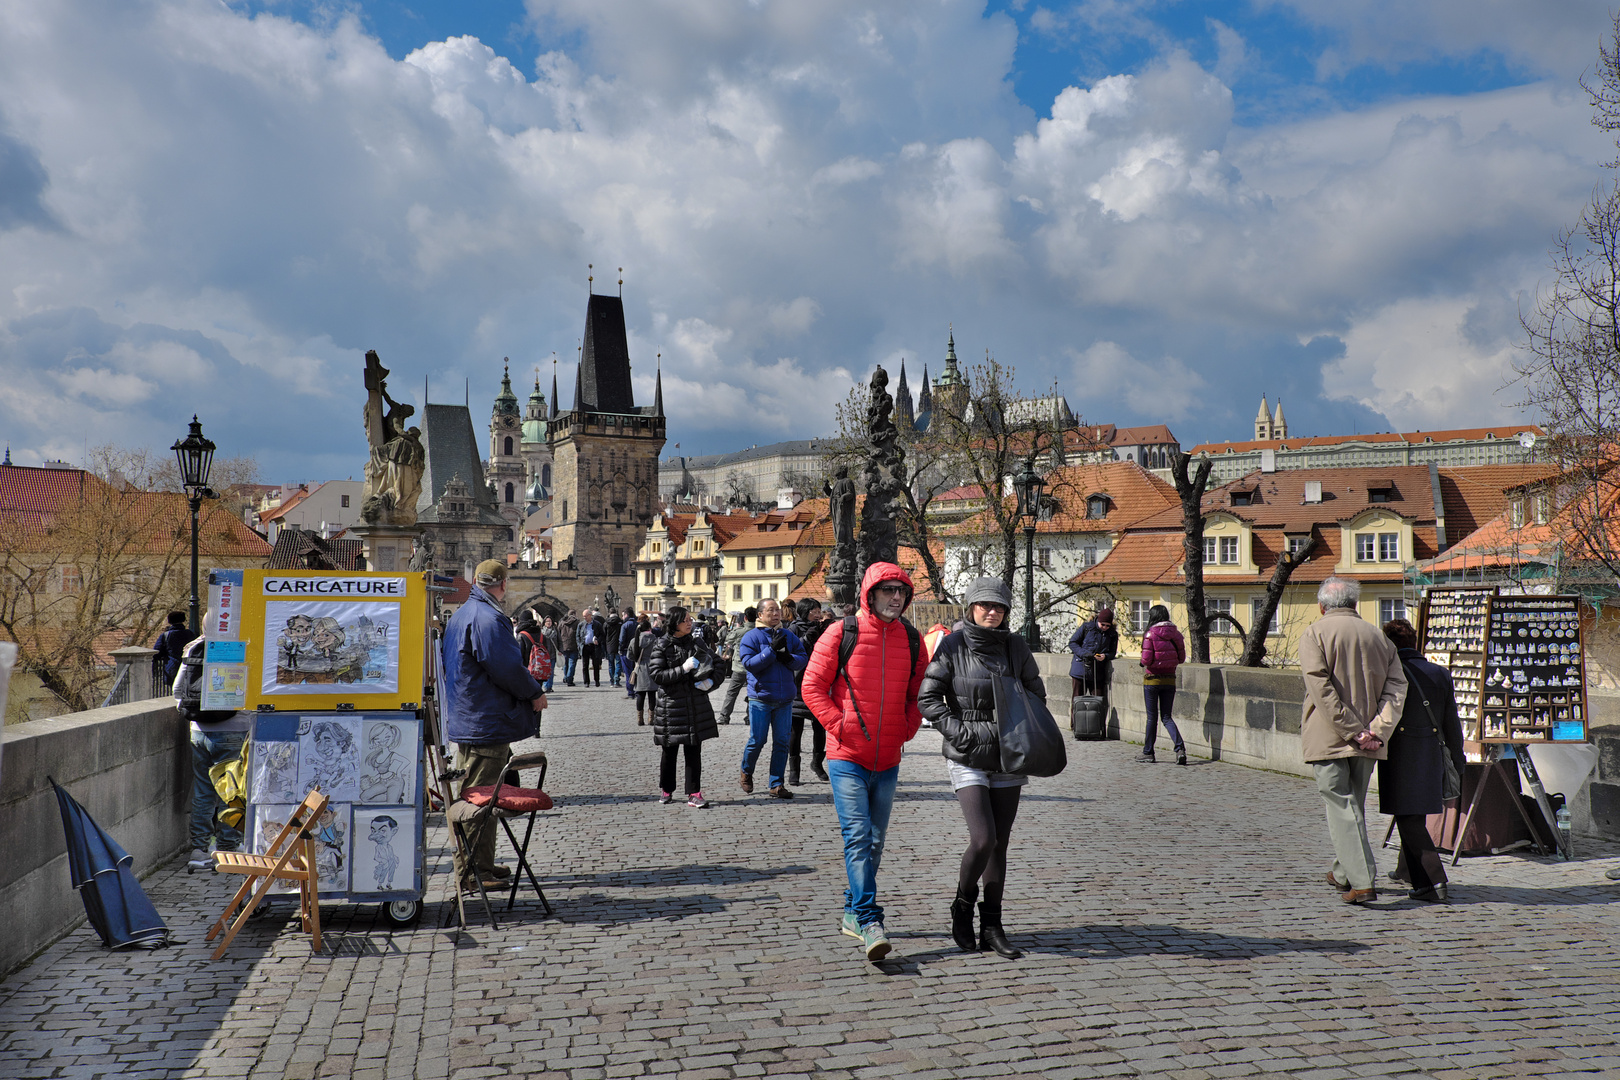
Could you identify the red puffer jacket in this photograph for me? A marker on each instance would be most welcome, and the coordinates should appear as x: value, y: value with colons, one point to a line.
x: 883, y: 678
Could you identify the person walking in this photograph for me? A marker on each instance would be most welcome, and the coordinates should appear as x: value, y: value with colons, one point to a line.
x: 958, y: 695
x: 865, y: 695
x: 171, y: 645
x: 640, y: 656
x: 1354, y: 693
x: 1411, y: 778
x: 491, y: 701
x: 807, y: 628
x: 629, y: 629
x: 728, y: 651
x: 548, y: 632
x: 568, y: 642
x: 771, y: 654
x: 610, y: 645
x: 589, y: 637
x: 1163, y: 650
x: 217, y: 736
x: 682, y: 715
x: 1094, y: 644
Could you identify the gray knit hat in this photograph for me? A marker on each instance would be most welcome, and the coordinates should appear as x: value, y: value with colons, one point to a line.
x: 987, y: 590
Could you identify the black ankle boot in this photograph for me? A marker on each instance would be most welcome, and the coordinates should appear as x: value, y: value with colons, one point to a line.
x: 962, y: 919
x: 817, y: 767
x: 991, y: 936
x: 793, y: 774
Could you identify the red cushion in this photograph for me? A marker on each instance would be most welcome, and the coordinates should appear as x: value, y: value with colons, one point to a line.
x: 516, y: 800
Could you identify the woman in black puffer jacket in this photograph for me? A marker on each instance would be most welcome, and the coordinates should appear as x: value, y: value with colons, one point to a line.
x: 958, y: 696
x: 682, y: 715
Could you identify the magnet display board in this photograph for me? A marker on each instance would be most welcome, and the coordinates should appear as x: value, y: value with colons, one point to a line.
x: 1535, y: 671
x: 324, y: 639
x: 1452, y: 629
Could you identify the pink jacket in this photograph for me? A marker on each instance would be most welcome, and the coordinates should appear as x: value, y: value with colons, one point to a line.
x: 1163, y: 649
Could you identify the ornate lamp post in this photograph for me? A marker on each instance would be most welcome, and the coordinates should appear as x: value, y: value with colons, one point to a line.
x: 716, y: 565
x: 196, y: 457
x: 1030, y: 488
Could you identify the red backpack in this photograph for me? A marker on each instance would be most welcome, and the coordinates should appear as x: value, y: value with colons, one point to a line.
x: 539, y: 659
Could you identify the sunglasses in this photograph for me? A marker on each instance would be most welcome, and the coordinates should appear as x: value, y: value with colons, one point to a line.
x: 892, y: 590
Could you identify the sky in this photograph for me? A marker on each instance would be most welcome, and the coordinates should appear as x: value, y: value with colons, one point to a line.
x: 1163, y: 208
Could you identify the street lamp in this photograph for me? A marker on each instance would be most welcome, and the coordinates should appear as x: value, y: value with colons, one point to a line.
x: 196, y: 457
x: 716, y: 565
x: 1030, y: 488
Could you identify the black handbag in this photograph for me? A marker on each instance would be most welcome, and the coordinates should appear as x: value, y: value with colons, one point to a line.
x: 1031, y: 742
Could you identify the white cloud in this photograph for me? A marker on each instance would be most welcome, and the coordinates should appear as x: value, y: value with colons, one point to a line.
x: 1106, y: 373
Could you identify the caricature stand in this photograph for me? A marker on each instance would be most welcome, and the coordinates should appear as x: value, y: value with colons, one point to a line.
x: 335, y: 667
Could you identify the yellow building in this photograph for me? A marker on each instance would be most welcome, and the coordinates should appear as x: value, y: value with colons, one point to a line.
x: 696, y: 539
x: 1371, y: 525
x: 774, y: 555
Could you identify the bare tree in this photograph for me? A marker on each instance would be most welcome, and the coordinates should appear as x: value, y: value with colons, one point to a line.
x: 1190, y: 487
x: 1254, y: 643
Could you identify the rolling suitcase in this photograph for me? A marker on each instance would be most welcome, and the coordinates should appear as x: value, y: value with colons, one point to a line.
x: 1088, y: 714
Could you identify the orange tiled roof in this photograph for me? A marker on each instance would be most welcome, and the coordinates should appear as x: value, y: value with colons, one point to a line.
x: 1504, y: 431
x: 1142, y: 436
x: 814, y: 585
x: 1133, y: 494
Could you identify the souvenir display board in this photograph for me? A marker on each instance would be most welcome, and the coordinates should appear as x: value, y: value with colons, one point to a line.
x: 369, y: 842
x: 1453, y: 625
x: 316, y: 640
x: 1535, y: 674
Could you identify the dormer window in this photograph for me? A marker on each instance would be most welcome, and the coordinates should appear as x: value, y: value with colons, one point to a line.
x: 1516, y: 513
x: 1097, y: 507
x: 1380, y: 491
x: 1245, y: 497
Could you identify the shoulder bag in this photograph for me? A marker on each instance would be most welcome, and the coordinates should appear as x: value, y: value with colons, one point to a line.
x: 1031, y: 742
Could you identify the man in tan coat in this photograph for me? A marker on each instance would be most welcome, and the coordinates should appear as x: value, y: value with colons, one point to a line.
x: 1354, y: 691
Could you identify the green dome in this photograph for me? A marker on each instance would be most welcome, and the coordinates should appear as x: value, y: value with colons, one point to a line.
x: 534, y: 431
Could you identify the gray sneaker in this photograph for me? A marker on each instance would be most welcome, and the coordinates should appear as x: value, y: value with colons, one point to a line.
x: 200, y: 860
x: 850, y: 926
x: 875, y: 941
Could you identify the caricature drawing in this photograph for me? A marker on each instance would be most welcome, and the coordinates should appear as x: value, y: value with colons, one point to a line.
x: 275, y: 771
x: 382, y: 833
x: 385, y: 777
x: 330, y: 840
x: 294, y: 641
x: 335, y: 762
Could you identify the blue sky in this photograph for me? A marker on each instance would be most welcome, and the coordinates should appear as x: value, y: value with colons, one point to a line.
x: 1164, y: 209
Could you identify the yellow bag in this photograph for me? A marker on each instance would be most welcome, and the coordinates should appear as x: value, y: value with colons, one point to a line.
x: 230, y: 784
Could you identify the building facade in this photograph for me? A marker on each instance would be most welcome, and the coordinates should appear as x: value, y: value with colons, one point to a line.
x: 1509, y: 444
x: 752, y: 475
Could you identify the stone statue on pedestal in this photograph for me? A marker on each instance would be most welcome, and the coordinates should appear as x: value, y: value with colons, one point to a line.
x: 611, y: 599
x: 394, y: 470
x: 883, y: 476
x: 841, y: 560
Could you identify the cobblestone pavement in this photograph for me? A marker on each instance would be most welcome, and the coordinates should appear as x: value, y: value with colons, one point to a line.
x: 1175, y: 923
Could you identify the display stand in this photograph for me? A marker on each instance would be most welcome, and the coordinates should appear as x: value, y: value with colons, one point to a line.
x: 1517, y: 663
x: 333, y: 666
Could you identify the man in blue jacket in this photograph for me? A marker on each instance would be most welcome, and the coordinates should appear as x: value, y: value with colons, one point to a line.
x: 490, y: 702
x: 770, y: 653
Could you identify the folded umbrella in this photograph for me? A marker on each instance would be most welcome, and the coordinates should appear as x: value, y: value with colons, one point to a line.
x: 115, y: 902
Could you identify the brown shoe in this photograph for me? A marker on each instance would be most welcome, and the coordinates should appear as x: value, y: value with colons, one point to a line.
x: 1338, y: 886
x: 1359, y: 896
x: 746, y: 781
x: 781, y: 793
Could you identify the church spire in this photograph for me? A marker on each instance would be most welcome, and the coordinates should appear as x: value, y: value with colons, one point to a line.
x: 553, y: 386
x: 658, y: 388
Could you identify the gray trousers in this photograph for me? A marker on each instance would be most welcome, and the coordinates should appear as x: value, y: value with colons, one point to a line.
x: 1343, y: 784
x: 734, y: 686
x: 483, y: 765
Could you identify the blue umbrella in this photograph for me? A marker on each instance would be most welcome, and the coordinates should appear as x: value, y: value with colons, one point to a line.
x: 115, y: 902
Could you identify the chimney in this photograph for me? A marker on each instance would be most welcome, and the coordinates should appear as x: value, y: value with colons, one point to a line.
x: 787, y: 498
x: 1313, y: 491
x: 1268, y: 461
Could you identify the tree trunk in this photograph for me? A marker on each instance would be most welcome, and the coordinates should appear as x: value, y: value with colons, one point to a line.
x: 1254, y: 647
x: 1191, y: 490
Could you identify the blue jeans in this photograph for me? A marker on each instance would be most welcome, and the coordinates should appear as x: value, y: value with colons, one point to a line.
x: 863, y: 799
x: 207, y: 750
x: 570, y: 660
x: 613, y: 668
x: 777, y: 717
x: 1158, y: 700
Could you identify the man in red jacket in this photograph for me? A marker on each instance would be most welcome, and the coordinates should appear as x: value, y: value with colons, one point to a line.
x: 869, y: 709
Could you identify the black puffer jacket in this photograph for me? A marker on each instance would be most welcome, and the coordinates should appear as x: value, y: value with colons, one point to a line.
x: 806, y: 632
x: 958, y: 696
x: 681, y: 712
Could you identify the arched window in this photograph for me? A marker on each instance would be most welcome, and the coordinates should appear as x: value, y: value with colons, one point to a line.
x: 508, y: 451
x: 545, y: 475
x: 509, y: 485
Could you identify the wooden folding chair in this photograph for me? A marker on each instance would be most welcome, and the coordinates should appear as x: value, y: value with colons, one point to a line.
x: 290, y: 857
x: 503, y: 801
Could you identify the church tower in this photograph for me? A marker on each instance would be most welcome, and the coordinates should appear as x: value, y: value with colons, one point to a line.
x: 536, y: 453
x: 1279, y: 426
x: 950, y: 389
x: 1262, y: 422
x: 605, y: 459
x: 905, y: 418
x: 505, y: 471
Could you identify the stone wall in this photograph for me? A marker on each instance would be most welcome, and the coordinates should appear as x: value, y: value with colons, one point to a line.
x: 129, y: 765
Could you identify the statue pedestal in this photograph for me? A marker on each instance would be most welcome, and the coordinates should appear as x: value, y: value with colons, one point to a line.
x: 387, y: 547
x: 841, y: 589
x: 670, y: 596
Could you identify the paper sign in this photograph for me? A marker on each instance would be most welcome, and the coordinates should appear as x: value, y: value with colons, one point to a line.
x: 1569, y: 730
x: 224, y: 605
x: 369, y: 587
x: 226, y: 652
x: 224, y: 685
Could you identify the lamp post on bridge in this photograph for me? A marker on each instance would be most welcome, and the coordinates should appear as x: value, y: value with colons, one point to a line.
x: 1030, y: 488
x: 195, y: 455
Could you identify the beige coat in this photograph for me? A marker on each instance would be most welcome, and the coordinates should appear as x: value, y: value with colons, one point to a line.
x: 1353, y: 682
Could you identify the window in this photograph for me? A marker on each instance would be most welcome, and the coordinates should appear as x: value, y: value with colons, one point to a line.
x: 647, y: 576
x: 773, y: 592
x: 487, y: 550
x: 1139, y: 616
x: 1242, y: 498
x: 680, y: 575
x: 1379, y: 495
x: 565, y: 510
x: 511, y: 534
x: 1364, y: 547
x: 345, y: 499
x: 1229, y: 550
x: 760, y: 562
x: 759, y: 592
x: 450, y: 550
x: 545, y: 476
x: 1045, y: 557
x: 657, y: 547
x: 509, y: 491
x: 1391, y: 607
x: 1209, y: 550
x: 1097, y: 507
x: 697, y: 547
x: 1256, y: 605
x: 736, y: 592
x: 1295, y: 543
x: 1088, y: 557
x: 72, y: 579
x: 621, y: 559
x: 1389, y: 547
x: 742, y: 563
x: 1516, y: 512
x: 1219, y: 605
x: 1543, y: 505
x: 506, y: 446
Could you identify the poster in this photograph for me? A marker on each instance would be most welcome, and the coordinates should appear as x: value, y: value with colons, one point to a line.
x: 268, y: 820
x: 332, y: 840
x: 316, y: 646
x: 388, y: 764
x: 225, y: 675
x: 329, y: 756
x: 274, y: 767
x: 385, y: 850
x: 224, y: 605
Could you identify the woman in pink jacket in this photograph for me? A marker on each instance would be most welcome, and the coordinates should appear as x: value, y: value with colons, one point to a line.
x: 1163, y: 650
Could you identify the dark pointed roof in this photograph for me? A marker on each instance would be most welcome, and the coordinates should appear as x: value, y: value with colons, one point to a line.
x: 452, y: 450
x: 554, y: 405
x: 604, y: 367
x: 658, y: 393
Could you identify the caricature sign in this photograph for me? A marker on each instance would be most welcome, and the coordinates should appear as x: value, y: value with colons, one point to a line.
x: 322, y: 646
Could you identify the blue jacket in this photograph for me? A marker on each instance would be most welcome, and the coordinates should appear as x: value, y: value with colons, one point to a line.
x: 1087, y: 641
x: 768, y: 678
x: 627, y: 633
x: 487, y: 689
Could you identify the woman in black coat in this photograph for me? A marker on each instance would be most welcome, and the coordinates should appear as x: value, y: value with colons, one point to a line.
x: 682, y: 715
x: 1410, y: 780
x: 958, y: 695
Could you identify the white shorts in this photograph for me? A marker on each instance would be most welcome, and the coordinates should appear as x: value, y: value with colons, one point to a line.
x: 961, y: 776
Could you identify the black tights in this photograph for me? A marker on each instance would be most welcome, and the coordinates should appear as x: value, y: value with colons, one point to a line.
x: 989, y: 813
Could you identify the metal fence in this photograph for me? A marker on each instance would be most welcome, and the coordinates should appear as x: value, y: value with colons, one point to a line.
x: 137, y: 679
